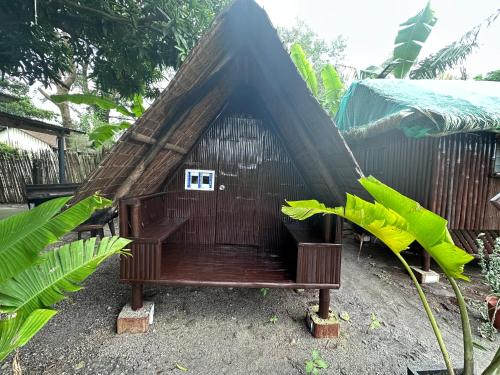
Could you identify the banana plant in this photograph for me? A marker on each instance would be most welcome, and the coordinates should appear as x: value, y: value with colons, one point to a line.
x: 330, y: 93
x: 106, y: 132
x: 397, y: 221
x: 33, y: 279
x: 411, y: 36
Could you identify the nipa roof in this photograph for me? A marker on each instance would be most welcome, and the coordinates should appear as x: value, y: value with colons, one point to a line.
x: 241, y: 47
x: 419, y: 107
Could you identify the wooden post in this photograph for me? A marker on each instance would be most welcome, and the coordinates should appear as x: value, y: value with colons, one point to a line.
x: 426, y: 261
x: 135, y: 219
x: 137, y: 300
x: 327, y: 228
x: 324, y: 303
x: 60, y: 151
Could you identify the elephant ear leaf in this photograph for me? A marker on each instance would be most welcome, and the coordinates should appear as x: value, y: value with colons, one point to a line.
x: 428, y: 228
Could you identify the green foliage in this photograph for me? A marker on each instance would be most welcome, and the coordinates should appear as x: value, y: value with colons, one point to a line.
x: 374, y: 323
x: 16, y: 331
x: 125, y: 43
x: 90, y: 99
x: 319, y: 51
x: 273, y: 319
x: 23, y: 236
x: 411, y: 36
x: 490, y: 76
x: 333, y: 89
x: 452, y: 54
x: 428, y: 228
x: 304, y: 67
x: 5, y: 149
x: 31, y: 279
x: 22, y: 105
x: 315, y: 364
x: 490, y: 267
x: 264, y: 291
x: 61, y: 271
x: 105, y: 132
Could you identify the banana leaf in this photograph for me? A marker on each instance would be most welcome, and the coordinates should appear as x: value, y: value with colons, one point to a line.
x: 90, y: 99
x: 410, y: 39
x: 17, y: 331
x: 304, y: 67
x: 23, y: 236
x: 383, y: 223
x: 428, y: 228
x: 61, y: 271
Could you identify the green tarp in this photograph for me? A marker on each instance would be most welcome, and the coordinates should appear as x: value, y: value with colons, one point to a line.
x: 419, y: 107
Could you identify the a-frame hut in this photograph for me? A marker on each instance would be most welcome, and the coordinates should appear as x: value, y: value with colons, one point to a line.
x: 201, y: 176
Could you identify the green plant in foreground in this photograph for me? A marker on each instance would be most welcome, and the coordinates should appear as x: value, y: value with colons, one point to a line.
x: 375, y: 323
x: 315, y: 364
x: 398, y: 221
x: 273, y: 319
x: 264, y: 291
x: 31, y: 279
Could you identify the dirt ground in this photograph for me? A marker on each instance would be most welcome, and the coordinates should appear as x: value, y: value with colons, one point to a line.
x: 228, y: 331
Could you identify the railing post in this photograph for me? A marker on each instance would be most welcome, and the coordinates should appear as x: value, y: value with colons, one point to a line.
x: 135, y: 218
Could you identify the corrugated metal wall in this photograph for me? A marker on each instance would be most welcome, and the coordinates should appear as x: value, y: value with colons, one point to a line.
x: 449, y: 175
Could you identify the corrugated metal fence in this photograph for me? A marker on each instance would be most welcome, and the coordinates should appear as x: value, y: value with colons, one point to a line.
x: 42, y: 166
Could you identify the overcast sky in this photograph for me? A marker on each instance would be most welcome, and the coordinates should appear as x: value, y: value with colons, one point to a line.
x: 371, y: 26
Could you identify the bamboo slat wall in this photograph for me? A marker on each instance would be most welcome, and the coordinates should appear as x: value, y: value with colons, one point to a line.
x: 18, y: 170
x: 450, y: 175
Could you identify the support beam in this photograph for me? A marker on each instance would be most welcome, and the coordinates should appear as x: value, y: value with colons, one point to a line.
x: 137, y: 300
x: 324, y: 303
x: 151, y: 141
x: 62, y: 164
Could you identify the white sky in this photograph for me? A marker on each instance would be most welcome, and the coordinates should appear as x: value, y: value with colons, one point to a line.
x: 371, y: 26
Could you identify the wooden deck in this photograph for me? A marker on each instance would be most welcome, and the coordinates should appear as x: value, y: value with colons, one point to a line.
x: 222, y: 265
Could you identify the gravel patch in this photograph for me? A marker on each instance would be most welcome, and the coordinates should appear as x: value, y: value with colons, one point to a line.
x: 228, y: 331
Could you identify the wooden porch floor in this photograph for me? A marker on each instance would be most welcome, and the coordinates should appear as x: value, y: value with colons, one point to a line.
x: 236, y: 266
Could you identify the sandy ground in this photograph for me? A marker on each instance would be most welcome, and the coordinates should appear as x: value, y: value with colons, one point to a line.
x: 227, y: 331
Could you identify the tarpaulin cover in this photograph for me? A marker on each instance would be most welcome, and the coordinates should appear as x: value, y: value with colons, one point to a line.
x: 419, y: 107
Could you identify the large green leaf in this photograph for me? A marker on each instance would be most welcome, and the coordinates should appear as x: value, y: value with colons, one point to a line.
x: 17, y: 331
x: 383, y: 223
x: 409, y: 41
x: 333, y: 88
x: 23, y: 236
x: 137, y: 106
x: 428, y: 228
x: 62, y: 270
x: 304, y: 67
x: 90, y: 99
x: 106, y: 132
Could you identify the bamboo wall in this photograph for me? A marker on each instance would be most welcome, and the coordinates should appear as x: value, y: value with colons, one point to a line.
x: 449, y: 175
x: 18, y: 170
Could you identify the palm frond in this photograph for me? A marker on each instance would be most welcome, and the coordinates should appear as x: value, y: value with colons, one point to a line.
x: 23, y: 236
x: 411, y: 36
x: 62, y: 270
x: 90, y: 99
x: 453, y: 54
x: 18, y: 330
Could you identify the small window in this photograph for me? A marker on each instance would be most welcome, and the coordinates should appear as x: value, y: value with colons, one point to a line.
x: 496, y: 169
x: 196, y: 179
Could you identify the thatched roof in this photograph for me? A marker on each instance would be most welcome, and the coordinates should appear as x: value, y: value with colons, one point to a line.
x: 241, y: 47
x: 419, y: 107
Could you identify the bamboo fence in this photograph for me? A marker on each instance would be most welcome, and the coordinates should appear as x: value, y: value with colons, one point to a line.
x: 42, y: 168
